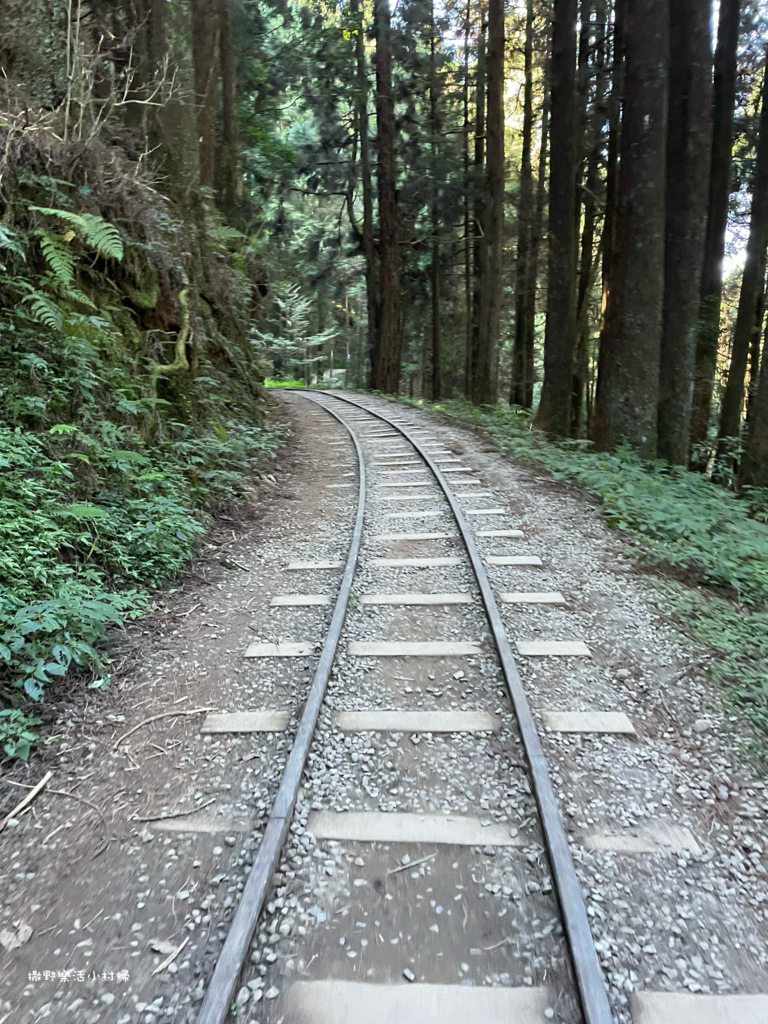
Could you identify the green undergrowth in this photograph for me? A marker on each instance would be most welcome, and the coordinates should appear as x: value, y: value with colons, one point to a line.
x: 93, y: 517
x: 131, y: 406
x: 90, y: 519
x: 736, y: 638
x: 285, y: 382
x: 688, y: 528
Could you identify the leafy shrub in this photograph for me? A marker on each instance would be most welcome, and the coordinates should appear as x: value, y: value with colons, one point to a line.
x: 17, y: 732
x: 682, y: 518
x: 105, y: 488
x: 88, y: 520
x: 40, y: 640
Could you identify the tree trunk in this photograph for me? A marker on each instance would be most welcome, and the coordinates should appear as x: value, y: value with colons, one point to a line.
x: 536, y: 232
x: 369, y: 246
x: 754, y: 464
x: 386, y: 372
x: 754, y: 359
x: 435, y: 269
x: 628, y: 386
x: 205, y: 43
x: 560, y: 334
x: 437, y: 381
x: 751, y: 283
x: 467, y: 220
x: 689, y: 138
x: 485, y: 380
x: 724, y: 97
x: 614, y: 146
x: 229, y: 176
x: 590, y: 130
x: 520, y: 370
x: 478, y: 244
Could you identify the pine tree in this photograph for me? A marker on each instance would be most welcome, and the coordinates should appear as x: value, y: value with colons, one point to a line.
x: 723, y: 99
x: 385, y: 363
x: 554, y: 408
x: 687, y: 190
x: 524, y: 269
x: 485, y: 378
x: 628, y: 382
x: 752, y: 283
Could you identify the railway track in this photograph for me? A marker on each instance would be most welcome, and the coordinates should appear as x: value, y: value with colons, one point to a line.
x: 402, y: 460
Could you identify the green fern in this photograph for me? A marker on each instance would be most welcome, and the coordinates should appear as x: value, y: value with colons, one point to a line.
x: 9, y: 240
x: 223, y: 233
x: 75, y: 295
x: 102, y: 236
x: 45, y: 310
x: 58, y: 256
x: 92, y: 229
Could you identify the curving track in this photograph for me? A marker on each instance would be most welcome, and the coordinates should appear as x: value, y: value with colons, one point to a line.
x: 364, y: 426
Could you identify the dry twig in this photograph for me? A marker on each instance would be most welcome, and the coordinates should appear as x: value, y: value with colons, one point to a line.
x: 412, y: 864
x: 27, y: 799
x: 177, y: 814
x: 58, y: 792
x: 154, y: 718
x: 169, y: 960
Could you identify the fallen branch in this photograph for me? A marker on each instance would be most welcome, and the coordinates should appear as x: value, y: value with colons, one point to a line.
x: 58, y: 792
x: 171, y: 958
x: 155, y: 718
x: 177, y: 814
x: 182, y: 615
x: 27, y: 800
x: 227, y: 562
x: 412, y: 864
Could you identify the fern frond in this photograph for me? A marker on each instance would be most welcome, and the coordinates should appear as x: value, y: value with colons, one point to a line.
x: 58, y: 256
x: 75, y: 295
x: 9, y: 240
x: 67, y: 215
x: 223, y: 233
x: 102, y: 236
x: 45, y: 310
x: 96, y: 232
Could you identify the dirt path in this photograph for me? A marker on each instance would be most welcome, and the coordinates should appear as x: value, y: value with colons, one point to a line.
x: 110, y: 895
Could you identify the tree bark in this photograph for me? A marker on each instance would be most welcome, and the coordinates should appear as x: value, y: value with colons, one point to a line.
x: 520, y: 370
x: 723, y: 101
x: 369, y: 246
x: 628, y: 385
x: 435, y: 269
x: 386, y: 371
x: 560, y: 333
x: 689, y: 138
x: 754, y: 464
x: 536, y: 233
x: 205, y: 44
x: 478, y: 244
x: 751, y: 284
x: 590, y: 132
x: 229, y: 175
x: 754, y: 359
x: 467, y: 219
x: 614, y: 146
x: 485, y: 380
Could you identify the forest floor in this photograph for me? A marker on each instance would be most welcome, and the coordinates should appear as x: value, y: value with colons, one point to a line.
x: 97, y: 892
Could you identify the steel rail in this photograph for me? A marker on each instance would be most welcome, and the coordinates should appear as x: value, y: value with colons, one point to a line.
x: 221, y: 988
x: 589, y: 976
